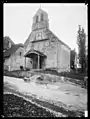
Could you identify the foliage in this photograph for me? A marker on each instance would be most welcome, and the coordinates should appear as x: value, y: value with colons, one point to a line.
x: 81, y: 40
x: 6, y: 41
x: 21, y: 67
x: 15, y: 106
x: 72, y: 59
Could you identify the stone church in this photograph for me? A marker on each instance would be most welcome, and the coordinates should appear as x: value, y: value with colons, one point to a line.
x: 43, y: 49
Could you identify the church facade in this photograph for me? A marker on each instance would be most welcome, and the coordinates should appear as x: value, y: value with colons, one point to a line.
x: 43, y: 49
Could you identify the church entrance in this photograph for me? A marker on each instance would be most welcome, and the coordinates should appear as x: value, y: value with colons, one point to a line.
x: 38, y: 59
x: 38, y: 62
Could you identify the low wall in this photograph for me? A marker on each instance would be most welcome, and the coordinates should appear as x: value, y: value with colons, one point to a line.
x: 18, y: 74
x: 6, y: 67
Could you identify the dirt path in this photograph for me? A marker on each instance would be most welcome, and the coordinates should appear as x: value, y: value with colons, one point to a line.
x: 76, y: 101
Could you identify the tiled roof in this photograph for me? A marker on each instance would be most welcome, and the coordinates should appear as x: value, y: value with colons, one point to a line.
x: 12, y: 50
x: 34, y: 51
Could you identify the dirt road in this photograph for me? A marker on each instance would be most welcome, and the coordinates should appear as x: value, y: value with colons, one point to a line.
x: 65, y: 95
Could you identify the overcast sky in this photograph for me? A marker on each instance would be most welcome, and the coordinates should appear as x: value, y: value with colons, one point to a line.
x: 63, y: 20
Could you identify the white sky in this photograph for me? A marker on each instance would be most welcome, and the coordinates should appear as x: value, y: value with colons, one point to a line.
x: 63, y: 20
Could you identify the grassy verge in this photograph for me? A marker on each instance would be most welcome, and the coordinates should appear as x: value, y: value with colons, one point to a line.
x: 22, y: 74
x: 71, y: 74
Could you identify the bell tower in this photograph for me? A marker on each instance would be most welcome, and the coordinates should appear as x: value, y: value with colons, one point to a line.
x: 40, y: 20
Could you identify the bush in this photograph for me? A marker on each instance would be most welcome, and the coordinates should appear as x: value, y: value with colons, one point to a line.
x: 21, y: 67
x: 27, y: 69
x: 51, y: 70
x: 7, y: 73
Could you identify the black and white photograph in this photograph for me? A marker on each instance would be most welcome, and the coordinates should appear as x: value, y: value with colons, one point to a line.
x: 45, y: 60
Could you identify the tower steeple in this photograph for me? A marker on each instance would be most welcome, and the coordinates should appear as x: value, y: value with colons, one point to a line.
x: 40, y: 20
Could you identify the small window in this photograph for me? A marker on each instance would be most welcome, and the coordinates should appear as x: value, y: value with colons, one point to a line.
x: 52, y: 41
x: 36, y: 19
x: 31, y: 62
x: 41, y: 17
x: 20, y: 53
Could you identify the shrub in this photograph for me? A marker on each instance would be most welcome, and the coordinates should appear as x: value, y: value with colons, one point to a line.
x: 27, y: 69
x: 21, y: 67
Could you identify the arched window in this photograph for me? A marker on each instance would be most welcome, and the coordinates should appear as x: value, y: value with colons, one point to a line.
x: 36, y: 19
x: 42, y: 17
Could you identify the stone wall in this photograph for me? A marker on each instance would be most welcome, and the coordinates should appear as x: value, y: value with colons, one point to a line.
x: 16, y: 60
x: 58, y: 54
x: 63, y: 58
x: 40, y: 23
x: 51, y: 53
x: 50, y: 50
